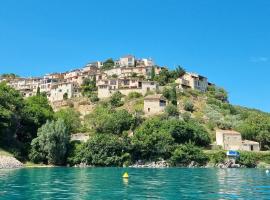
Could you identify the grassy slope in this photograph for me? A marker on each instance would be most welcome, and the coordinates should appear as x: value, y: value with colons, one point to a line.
x: 5, y: 153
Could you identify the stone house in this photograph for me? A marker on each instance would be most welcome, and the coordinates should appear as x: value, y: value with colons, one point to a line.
x: 26, y: 86
x: 107, y: 87
x: 127, y: 61
x: 248, y: 145
x: 96, y: 64
x: 59, y: 76
x: 193, y: 81
x: 154, y: 104
x: 58, y: 91
x: 232, y: 140
x: 145, y: 62
x: 72, y: 76
x: 46, y: 84
x: 122, y: 72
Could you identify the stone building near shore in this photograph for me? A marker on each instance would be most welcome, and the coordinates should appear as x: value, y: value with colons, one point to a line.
x: 232, y: 140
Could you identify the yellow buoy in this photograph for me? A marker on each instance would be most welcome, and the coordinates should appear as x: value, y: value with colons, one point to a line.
x: 125, y: 175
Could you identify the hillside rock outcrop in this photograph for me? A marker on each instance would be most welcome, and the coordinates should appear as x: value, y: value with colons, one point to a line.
x: 8, y: 162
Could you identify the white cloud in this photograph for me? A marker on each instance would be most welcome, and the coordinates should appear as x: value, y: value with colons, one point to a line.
x: 258, y: 59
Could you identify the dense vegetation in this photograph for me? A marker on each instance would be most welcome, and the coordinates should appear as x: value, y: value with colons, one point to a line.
x: 31, y: 130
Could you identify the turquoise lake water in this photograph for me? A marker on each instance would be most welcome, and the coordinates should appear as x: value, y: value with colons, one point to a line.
x: 107, y: 183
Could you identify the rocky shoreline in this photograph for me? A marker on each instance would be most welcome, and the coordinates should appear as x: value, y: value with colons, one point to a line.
x: 165, y: 164
x: 8, y: 162
x: 156, y: 164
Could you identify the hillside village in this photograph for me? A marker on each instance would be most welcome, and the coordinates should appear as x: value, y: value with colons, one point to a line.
x: 125, y: 75
x: 134, y: 98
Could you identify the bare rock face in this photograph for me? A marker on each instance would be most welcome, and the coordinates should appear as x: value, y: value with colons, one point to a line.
x: 7, y: 162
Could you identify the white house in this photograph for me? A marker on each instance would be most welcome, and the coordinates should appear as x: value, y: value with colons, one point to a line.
x: 127, y: 61
x: 59, y: 91
x: 193, y: 81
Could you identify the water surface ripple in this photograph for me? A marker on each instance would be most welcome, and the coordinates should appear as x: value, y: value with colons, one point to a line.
x: 107, y: 183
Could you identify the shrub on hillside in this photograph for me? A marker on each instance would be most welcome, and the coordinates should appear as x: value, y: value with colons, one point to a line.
x: 93, y: 98
x: 134, y: 95
x: 217, y: 157
x: 151, y: 141
x: 106, y: 150
x: 248, y: 159
x: 106, y: 120
x: 188, y: 106
x: 184, y: 154
x: 171, y: 110
x: 71, y: 118
x: 115, y: 99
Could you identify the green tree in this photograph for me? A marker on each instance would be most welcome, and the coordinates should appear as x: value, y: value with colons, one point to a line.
x: 163, y: 77
x: 94, y: 98
x: 153, y: 73
x: 188, y: 106
x: 134, y: 95
x: 11, y: 105
x: 170, y: 94
x: 51, y: 144
x: 256, y: 126
x: 65, y: 96
x: 134, y: 75
x: 150, y: 141
x: 108, y: 64
x: 114, y: 76
x: 88, y: 86
x: 71, y: 118
x: 183, y: 132
x: 36, y: 112
x: 171, y: 110
x: 9, y: 76
x: 178, y: 72
x: 247, y: 159
x: 184, y: 154
x: 218, y: 93
x: 106, y: 150
x: 106, y: 120
x: 115, y: 99
x: 38, y: 91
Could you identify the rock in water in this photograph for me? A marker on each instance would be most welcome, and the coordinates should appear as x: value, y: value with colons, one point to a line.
x: 7, y: 162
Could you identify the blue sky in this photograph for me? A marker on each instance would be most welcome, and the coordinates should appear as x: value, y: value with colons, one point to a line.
x: 227, y: 40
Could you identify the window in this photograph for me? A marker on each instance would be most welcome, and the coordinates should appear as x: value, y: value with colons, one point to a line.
x: 113, y: 82
x: 126, y: 82
x: 148, y: 109
x: 251, y: 147
x: 162, y: 103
